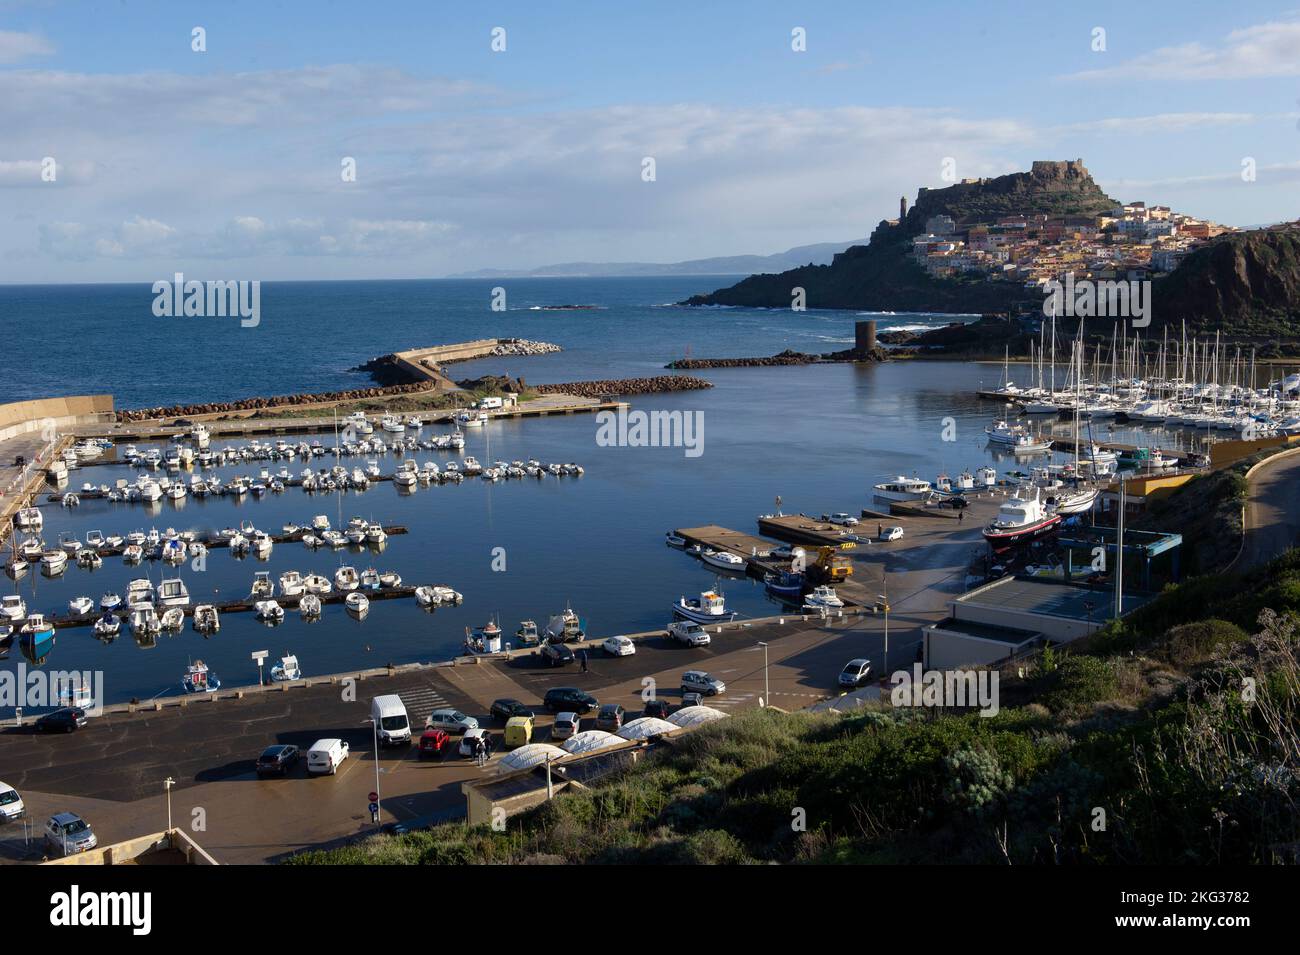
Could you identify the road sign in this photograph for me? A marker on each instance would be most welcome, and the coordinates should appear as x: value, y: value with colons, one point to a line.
x: 374, y: 808
x: 374, y: 797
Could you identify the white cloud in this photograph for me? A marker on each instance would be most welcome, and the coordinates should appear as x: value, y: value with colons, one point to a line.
x: 22, y: 46
x: 1265, y: 50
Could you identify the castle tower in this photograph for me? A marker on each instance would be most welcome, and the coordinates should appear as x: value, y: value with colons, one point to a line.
x: 864, y: 335
x: 902, y: 208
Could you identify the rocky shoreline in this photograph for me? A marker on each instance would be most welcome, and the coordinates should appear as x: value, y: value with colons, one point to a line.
x: 786, y: 357
x: 264, y: 404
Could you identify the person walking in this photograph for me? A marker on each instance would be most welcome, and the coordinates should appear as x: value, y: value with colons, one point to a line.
x: 480, y: 751
x: 582, y: 658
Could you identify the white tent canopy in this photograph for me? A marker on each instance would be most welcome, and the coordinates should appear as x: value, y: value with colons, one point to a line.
x: 588, y: 741
x: 646, y: 726
x: 534, y: 754
x: 694, y: 716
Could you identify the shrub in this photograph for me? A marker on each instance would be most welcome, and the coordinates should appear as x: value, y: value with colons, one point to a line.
x: 1192, y: 643
x: 1079, y: 682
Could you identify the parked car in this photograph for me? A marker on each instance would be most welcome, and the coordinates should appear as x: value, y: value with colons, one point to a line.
x: 566, y: 724
x: 557, y: 654
x: 619, y: 647
x: 610, y: 718
x: 505, y: 708
x: 466, y: 747
x: 67, y: 833
x: 693, y: 698
x: 325, y: 756
x: 11, y: 804
x: 434, y: 743
x: 277, y: 760
x: 63, y: 720
x: 451, y: 720
x: 700, y: 682
x: 855, y: 673
x: 570, y: 698
x: 519, y: 731
x: 891, y: 533
x: 843, y: 519
x: 658, y: 708
x: 689, y: 633
x: 956, y: 502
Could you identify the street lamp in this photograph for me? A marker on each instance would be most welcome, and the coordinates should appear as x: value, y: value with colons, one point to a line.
x: 374, y: 722
x: 884, y: 599
x: 767, y: 690
x: 168, y: 783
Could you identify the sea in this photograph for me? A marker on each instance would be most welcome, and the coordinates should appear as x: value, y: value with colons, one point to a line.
x: 815, y: 437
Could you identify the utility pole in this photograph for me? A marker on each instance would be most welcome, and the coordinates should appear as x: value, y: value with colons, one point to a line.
x: 168, y: 783
x: 767, y: 690
x: 1119, y: 552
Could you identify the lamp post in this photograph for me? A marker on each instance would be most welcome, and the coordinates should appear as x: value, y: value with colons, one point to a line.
x: 884, y: 599
x: 767, y: 690
x: 375, y: 725
x: 168, y: 783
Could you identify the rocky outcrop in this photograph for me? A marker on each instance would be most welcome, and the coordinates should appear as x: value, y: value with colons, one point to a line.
x: 787, y: 357
x: 882, y: 276
x: 625, y: 386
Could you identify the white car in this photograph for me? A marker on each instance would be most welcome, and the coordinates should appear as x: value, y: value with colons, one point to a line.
x: 689, y: 633
x: 11, y: 804
x: 843, y: 519
x: 619, y: 647
x: 891, y: 533
x: 566, y: 724
x: 855, y: 673
x: 466, y: 747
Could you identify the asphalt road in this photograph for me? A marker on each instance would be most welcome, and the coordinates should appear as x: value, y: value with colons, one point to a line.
x: 1272, y: 511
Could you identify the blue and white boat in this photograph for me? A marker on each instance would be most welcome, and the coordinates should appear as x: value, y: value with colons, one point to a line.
x: 709, y: 607
x: 198, y: 679
x: 36, y: 638
x: 786, y: 585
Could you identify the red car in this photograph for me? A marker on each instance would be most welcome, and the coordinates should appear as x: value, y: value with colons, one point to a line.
x: 434, y: 743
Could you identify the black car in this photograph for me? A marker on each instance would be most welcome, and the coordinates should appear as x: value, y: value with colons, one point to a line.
x: 557, y: 655
x: 956, y: 502
x: 658, y: 708
x: 64, y: 720
x: 563, y: 699
x: 277, y: 760
x: 504, y: 709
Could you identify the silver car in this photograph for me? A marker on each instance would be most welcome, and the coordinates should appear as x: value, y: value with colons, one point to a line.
x: 855, y: 673
x: 450, y: 720
x: 66, y: 834
x: 697, y: 681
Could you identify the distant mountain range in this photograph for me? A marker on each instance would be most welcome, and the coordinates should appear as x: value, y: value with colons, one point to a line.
x: 819, y: 254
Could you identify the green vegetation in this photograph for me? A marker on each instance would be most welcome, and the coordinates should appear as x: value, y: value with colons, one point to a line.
x: 1174, y: 738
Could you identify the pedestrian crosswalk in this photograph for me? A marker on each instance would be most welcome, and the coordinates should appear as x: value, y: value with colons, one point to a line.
x: 420, y: 701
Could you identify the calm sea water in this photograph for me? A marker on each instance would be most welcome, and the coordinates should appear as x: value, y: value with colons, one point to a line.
x: 818, y: 436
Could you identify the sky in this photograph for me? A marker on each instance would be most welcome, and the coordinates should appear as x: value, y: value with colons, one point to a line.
x: 231, y: 162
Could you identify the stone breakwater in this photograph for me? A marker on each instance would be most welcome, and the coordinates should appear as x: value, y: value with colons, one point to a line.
x: 625, y: 386
x: 522, y: 346
x: 262, y: 404
x: 786, y: 357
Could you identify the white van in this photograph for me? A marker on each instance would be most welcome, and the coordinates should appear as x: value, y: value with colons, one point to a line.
x: 11, y: 804
x: 489, y: 404
x: 389, y: 714
x: 325, y: 756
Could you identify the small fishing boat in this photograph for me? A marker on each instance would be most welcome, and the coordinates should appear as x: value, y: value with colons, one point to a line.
x: 484, y: 639
x: 139, y: 593
x: 565, y: 627
x: 12, y: 607
x: 527, y: 634
x: 786, y: 585
x: 206, y: 619
x: 723, y: 560
x: 263, y: 587
x: 287, y: 670
x: 291, y: 583
x: 316, y: 584
x: 673, y: 539
x: 903, y: 489
x: 198, y: 679
x: 369, y: 579
x: 79, y: 606
x: 823, y: 597
x: 16, y: 567
x: 268, y: 610
x: 108, y: 625
x: 357, y: 602
x: 110, y: 602
x: 54, y: 562
x: 172, y: 619
x: 390, y: 579
x: 172, y: 592
x: 133, y: 554
x: 345, y: 578
x: 144, y: 619
x: 30, y: 519
x: 36, y: 637
x: 709, y: 607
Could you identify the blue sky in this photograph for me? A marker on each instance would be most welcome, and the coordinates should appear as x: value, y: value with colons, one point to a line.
x: 226, y: 163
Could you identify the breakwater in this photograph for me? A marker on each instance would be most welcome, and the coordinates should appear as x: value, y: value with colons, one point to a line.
x: 625, y: 386
x: 265, y: 403
x: 786, y: 357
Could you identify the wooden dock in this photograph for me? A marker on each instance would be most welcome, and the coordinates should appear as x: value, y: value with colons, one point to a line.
x: 802, y: 529
x: 724, y: 538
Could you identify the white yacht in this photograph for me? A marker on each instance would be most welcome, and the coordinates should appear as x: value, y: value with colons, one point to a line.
x: 904, y: 489
x: 173, y: 593
x: 823, y: 597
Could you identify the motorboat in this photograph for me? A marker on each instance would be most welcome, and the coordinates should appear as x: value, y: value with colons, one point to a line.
x: 309, y: 605
x: 392, y: 424
x: 1069, y: 503
x: 565, y: 627
x: 172, y: 619
x: 673, y: 539
x: 723, y: 560
x: 527, y: 634
x: 89, y: 558
x: 390, y: 579
x: 291, y: 583
x: 986, y: 477
x: 346, y: 578
x: 139, y: 593
x: 709, y: 607
x: 357, y: 602
x: 172, y: 592
x: 904, y: 489
x: 1020, y: 520
x: 263, y: 586
x: 268, y: 610
x: 132, y: 554
x: 261, y: 544
x: 30, y: 519
x: 110, y: 602
x: 108, y: 625
x: 206, y: 619
x: 144, y: 619
x: 471, y: 419
x: 316, y: 584
x: 375, y: 534
x: 484, y: 639
x: 80, y: 606
x: 823, y: 597
x: 54, y: 562
x: 199, y: 679
x: 287, y: 670
x: 13, y: 607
